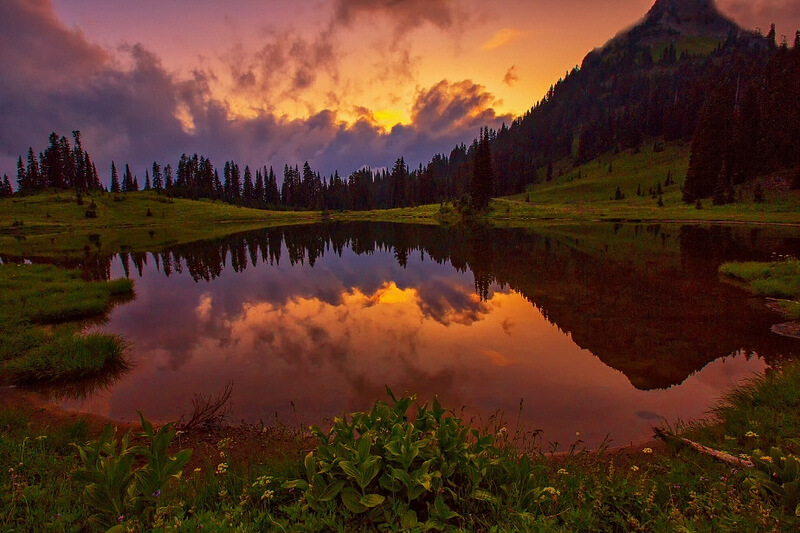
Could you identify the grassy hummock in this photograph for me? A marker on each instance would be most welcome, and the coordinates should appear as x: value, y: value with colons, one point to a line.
x: 39, y: 339
x: 778, y: 279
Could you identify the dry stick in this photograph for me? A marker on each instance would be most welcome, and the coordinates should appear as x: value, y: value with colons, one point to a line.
x: 716, y: 454
x: 208, y: 410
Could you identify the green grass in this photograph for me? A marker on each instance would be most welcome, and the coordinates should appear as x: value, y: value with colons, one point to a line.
x: 53, y: 224
x: 33, y: 296
x: 587, y: 192
x: 779, y: 279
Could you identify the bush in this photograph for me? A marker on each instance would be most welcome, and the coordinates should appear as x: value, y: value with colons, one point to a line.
x: 115, y: 489
x: 395, y: 472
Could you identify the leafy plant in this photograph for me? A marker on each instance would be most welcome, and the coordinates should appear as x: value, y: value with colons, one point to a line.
x: 777, y: 475
x: 113, y: 488
x: 395, y: 471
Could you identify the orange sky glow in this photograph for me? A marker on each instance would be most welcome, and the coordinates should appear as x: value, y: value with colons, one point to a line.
x: 295, y: 59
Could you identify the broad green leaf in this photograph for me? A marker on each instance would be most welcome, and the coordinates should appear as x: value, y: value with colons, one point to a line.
x: 296, y: 484
x: 372, y: 500
x: 352, y: 500
x: 408, y: 519
x: 349, y: 469
x: 331, y: 491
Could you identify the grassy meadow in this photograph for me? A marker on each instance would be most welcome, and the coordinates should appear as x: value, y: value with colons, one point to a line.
x: 55, y: 223
x: 778, y: 279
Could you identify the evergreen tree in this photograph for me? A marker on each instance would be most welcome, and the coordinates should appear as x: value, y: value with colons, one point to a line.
x: 248, y: 195
x: 482, y: 182
x: 771, y: 36
x: 146, y: 180
x: 158, y: 182
x: 33, y: 173
x: 169, y: 185
x: 22, y: 178
x: 114, y: 179
x: 258, y: 191
x: 797, y: 41
x: 6, y: 191
x: 127, y: 180
x: 135, y: 184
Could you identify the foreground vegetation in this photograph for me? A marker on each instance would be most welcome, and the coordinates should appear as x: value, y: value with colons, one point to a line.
x: 778, y: 279
x: 39, y: 337
x: 402, y: 466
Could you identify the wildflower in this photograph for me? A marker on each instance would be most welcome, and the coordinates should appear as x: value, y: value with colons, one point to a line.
x: 120, y: 518
x: 751, y: 434
x: 157, y: 494
x: 744, y: 456
x: 268, y: 494
x: 676, y: 486
x: 41, y: 437
x: 222, y: 468
x: 766, y: 458
x: 634, y: 468
x: 196, y: 470
x: 647, y: 451
x: 577, y: 433
x: 563, y: 472
x: 502, y: 432
x: 734, y: 471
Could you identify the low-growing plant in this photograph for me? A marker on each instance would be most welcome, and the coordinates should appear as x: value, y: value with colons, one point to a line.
x: 397, y: 472
x: 116, y: 490
x: 777, y: 475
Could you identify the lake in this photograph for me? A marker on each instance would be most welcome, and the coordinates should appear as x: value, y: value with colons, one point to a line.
x: 594, y: 330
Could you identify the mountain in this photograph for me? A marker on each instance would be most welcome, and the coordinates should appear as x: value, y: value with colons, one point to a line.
x: 673, y: 19
x: 648, y: 82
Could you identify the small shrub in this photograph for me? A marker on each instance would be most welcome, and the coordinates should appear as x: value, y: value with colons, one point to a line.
x: 149, y: 212
x: 660, y: 202
x: 115, y: 489
x: 79, y: 199
x: 698, y: 204
x: 398, y: 473
x: 91, y: 213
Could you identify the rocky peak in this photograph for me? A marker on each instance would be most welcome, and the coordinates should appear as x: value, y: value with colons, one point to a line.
x: 686, y: 18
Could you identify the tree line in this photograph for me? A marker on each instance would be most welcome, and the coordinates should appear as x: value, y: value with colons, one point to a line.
x: 619, y: 98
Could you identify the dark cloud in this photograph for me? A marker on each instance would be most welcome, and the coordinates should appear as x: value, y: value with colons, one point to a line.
x: 403, y: 13
x: 131, y: 109
x: 511, y: 76
x: 761, y: 13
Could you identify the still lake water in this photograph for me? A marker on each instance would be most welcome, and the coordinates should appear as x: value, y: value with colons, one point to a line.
x: 600, y: 329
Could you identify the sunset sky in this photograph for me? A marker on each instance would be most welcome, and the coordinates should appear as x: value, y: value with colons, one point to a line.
x: 340, y: 83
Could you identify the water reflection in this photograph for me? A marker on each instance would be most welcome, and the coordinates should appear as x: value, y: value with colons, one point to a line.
x: 600, y: 328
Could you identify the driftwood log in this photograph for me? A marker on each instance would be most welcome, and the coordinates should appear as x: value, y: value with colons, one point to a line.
x: 705, y: 450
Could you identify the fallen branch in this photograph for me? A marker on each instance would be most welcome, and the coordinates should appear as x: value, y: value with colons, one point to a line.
x: 209, y: 411
x: 705, y: 450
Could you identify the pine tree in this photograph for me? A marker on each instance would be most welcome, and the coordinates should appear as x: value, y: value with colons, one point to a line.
x: 127, y: 180
x: 33, y: 173
x: 797, y: 41
x: 258, y: 191
x: 114, y: 179
x: 22, y: 178
x: 482, y: 183
x: 146, y: 180
x: 247, y: 189
x: 135, y: 184
x: 169, y: 186
x: 6, y: 191
x: 158, y: 183
x: 771, y: 36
